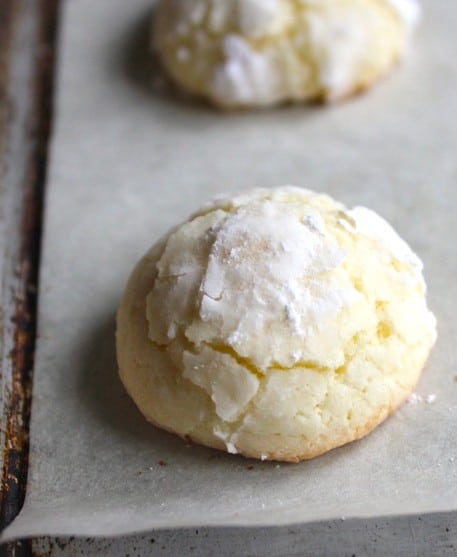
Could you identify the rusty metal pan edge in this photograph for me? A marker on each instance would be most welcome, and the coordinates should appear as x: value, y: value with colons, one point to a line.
x: 28, y: 38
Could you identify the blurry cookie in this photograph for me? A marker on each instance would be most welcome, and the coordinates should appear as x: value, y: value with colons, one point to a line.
x: 275, y: 323
x: 240, y: 53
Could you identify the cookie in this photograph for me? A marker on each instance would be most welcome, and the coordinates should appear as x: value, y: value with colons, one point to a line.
x: 248, y: 53
x: 276, y: 324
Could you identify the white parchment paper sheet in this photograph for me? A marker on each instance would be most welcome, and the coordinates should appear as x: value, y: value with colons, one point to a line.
x: 127, y: 164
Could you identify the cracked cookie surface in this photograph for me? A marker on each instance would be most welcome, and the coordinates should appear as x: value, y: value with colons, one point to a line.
x: 275, y: 323
x: 240, y: 53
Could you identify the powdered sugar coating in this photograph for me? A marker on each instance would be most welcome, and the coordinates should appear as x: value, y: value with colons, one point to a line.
x: 259, y: 17
x: 265, y: 263
x: 245, y: 76
x: 370, y: 224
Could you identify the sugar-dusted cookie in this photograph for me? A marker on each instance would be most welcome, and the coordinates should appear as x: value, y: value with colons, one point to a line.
x: 276, y: 324
x: 240, y: 53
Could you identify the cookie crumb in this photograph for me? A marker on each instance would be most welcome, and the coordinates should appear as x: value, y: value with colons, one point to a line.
x: 415, y: 398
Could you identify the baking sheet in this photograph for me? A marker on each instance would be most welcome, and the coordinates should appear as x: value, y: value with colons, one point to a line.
x: 127, y: 163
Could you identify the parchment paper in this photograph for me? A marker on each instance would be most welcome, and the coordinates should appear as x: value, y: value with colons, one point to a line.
x: 127, y: 163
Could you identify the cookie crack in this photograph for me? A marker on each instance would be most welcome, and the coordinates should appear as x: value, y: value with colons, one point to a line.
x: 240, y: 360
